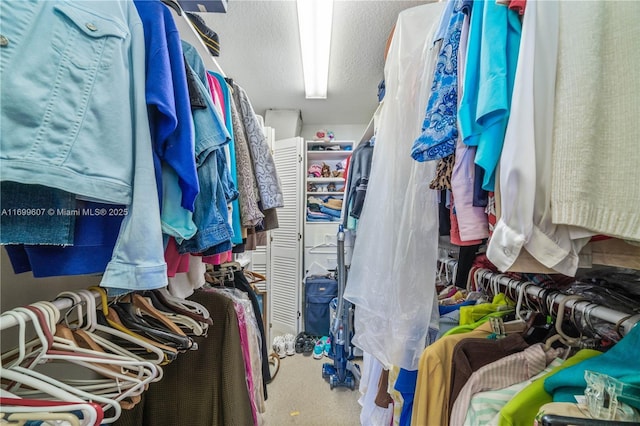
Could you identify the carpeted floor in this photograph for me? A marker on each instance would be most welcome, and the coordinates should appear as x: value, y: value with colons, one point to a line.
x: 300, y: 396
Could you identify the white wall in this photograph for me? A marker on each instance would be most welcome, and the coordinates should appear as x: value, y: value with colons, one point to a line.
x: 350, y: 132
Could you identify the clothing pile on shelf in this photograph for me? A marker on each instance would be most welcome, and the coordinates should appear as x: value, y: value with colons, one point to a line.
x: 139, y: 157
x: 324, y: 209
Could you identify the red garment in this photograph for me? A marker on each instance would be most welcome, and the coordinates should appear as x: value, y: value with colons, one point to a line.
x: 600, y: 238
x: 218, y: 259
x: 176, y: 262
x: 518, y: 6
x: 346, y: 168
x: 491, y: 213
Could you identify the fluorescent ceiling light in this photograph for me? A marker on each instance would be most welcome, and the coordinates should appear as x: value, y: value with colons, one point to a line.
x: 315, y: 19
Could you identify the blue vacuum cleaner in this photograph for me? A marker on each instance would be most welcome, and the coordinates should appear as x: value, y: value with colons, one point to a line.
x: 343, y: 372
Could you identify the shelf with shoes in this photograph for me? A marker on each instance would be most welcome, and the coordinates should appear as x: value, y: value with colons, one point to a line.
x: 325, y: 164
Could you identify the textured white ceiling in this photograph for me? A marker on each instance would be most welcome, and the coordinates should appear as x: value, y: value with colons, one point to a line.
x: 261, y: 51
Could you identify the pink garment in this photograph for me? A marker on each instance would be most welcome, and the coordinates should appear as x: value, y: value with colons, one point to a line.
x: 218, y: 259
x: 518, y: 5
x: 472, y: 221
x: 455, y: 231
x: 315, y: 171
x: 246, y: 355
x: 176, y: 262
x: 217, y: 94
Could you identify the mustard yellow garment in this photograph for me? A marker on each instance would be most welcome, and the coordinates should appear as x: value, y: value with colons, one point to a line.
x: 431, y: 402
x: 433, y: 387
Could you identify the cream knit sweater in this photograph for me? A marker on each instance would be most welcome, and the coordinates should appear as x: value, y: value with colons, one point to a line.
x: 596, y: 141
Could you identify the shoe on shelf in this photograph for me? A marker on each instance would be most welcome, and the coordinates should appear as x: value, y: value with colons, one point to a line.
x: 289, y: 344
x: 327, y: 347
x: 318, y: 349
x: 279, y: 346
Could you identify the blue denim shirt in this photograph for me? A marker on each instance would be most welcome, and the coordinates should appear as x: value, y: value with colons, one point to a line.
x: 74, y: 117
x: 210, y: 214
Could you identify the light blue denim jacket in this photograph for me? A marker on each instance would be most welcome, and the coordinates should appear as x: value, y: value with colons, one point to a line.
x: 74, y: 117
x: 210, y: 214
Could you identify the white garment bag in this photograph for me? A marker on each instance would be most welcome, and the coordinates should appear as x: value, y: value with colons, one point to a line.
x: 393, y: 268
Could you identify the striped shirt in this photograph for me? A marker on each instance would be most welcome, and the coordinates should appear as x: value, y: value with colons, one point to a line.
x: 485, y: 407
x: 501, y: 374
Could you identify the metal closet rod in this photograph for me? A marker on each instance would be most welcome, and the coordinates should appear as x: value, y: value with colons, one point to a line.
x: 624, y: 322
x: 61, y: 303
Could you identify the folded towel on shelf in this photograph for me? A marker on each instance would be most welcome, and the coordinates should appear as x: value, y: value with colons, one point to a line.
x: 330, y: 212
x: 320, y: 217
x: 316, y: 200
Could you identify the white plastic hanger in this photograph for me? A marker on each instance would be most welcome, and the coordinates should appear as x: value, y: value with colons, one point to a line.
x: 197, y: 328
x: 522, y: 290
x: 59, y: 349
x: 190, y: 305
x: 51, y: 389
x: 322, y: 245
x: 561, y: 336
x: 83, y: 355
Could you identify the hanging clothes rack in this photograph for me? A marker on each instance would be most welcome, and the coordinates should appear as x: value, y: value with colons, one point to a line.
x: 491, y: 281
x: 7, y: 322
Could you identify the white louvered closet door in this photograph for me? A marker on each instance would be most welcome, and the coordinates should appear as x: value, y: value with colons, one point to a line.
x: 285, y: 276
